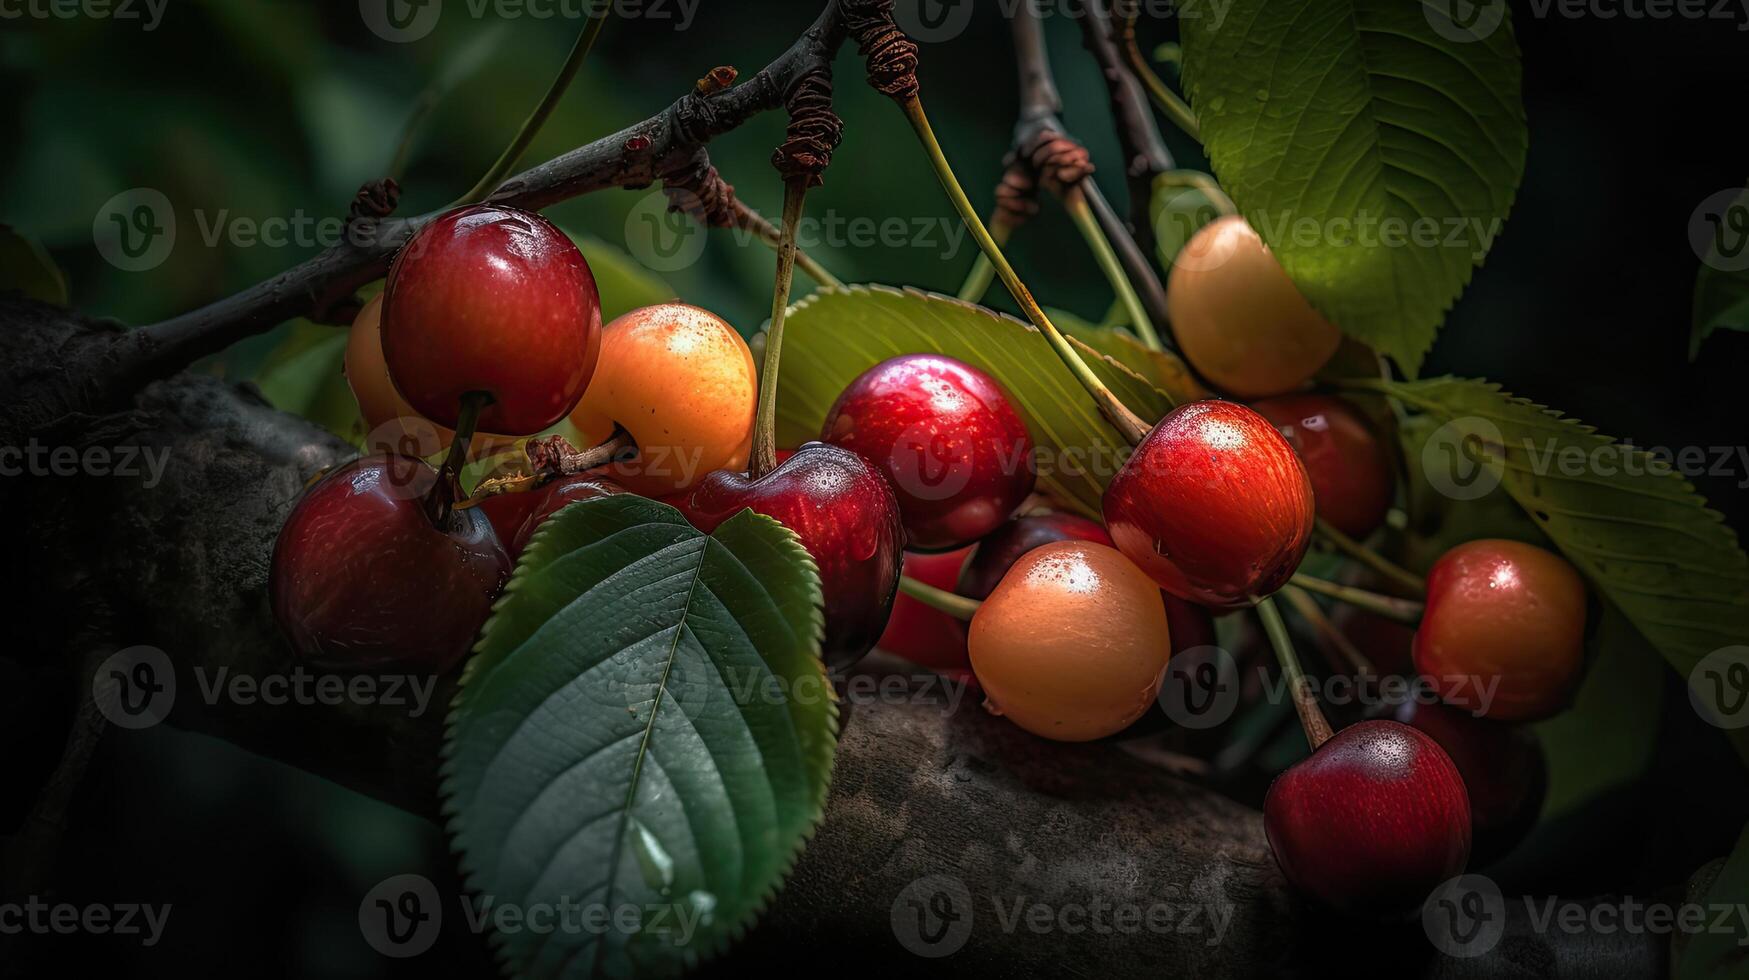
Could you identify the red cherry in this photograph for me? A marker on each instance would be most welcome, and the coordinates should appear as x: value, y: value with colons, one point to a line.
x: 1504, y: 629
x: 489, y: 298
x: 1372, y: 821
x: 507, y: 511
x: 1502, y: 766
x: 1349, y: 468
x: 847, y: 517
x: 361, y: 579
x: 922, y: 634
x: 555, y: 495
x: 949, y: 439
x: 1213, y: 504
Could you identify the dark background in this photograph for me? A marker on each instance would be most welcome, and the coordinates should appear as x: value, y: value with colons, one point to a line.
x: 274, y: 108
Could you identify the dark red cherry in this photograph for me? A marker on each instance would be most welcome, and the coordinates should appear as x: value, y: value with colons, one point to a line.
x: 922, y: 634
x: 1372, y: 821
x: 998, y: 552
x: 1502, y: 765
x: 1213, y: 504
x: 555, y: 495
x: 507, y: 511
x: 361, y: 579
x: 1348, y: 466
x: 948, y: 438
x: 845, y: 513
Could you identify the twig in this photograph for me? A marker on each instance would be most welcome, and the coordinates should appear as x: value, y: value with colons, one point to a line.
x: 1305, y: 702
x: 1330, y: 638
x: 1145, y: 154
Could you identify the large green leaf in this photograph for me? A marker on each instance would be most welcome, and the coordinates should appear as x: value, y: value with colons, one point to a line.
x: 645, y: 725
x: 1721, y: 288
x: 1374, y: 144
x: 836, y: 334
x: 1635, y: 527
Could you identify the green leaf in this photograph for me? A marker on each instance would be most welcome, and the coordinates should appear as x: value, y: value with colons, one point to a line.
x: 24, y: 266
x: 624, y: 283
x: 836, y: 334
x: 645, y: 725
x: 1375, y: 145
x: 1721, y: 292
x: 1625, y: 518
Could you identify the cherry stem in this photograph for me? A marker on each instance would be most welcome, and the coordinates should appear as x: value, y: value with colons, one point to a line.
x: 1332, y: 638
x: 447, y: 490
x: 1167, y: 101
x: 1203, y: 183
x: 955, y: 605
x: 1405, y: 611
x: 769, y: 234
x: 1075, y: 202
x: 982, y: 272
x: 1372, y: 559
x: 1125, y: 421
x: 764, y: 457
x: 1305, y: 702
x: 506, y: 161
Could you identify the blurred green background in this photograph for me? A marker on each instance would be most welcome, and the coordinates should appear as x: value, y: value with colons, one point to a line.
x: 259, y: 109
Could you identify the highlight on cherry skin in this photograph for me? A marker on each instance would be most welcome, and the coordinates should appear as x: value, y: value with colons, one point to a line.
x: 1213, y: 504
x: 845, y: 514
x: 1239, y: 319
x: 1372, y: 821
x: 362, y: 579
x: 1504, y: 630
x: 1073, y: 644
x: 948, y: 437
x: 681, y: 381
x: 495, y: 300
x: 1352, y: 479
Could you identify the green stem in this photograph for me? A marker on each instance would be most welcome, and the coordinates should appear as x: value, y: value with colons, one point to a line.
x: 955, y: 605
x: 1333, y: 638
x: 1125, y: 421
x: 764, y: 458
x: 1166, y: 100
x: 769, y: 234
x: 982, y: 272
x: 447, y: 490
x: 507, y: 160
x: 1372, y: 559
x: 1202, y: 182
x: 1311, y: 718
x: 1405, y: 611
x: 1076, y: 203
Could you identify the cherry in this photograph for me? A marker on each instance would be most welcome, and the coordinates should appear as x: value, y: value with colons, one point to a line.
x: 361, y: 578
x: 1351, y: 474
x: 1502, y: 766
x: 949, y: 439
x: 1504, y: 630
x: 1072, y: 645
x: 1213, y: 504
x: 922, y: 634
x: 548, y: 500
x: 846, y: 515
x: 681, y: 381
x: 1372, y: 821
x: 507, y: 511
x: 491, y: 299
x: 998, y: 552
x: 1189, y: 624
x: 391, y: 425
x: 1239, y: 319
